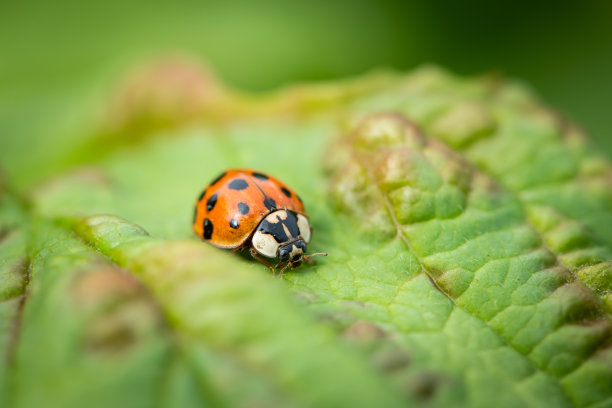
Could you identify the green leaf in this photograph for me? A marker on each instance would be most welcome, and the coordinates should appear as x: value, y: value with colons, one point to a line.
x: 467, y: 226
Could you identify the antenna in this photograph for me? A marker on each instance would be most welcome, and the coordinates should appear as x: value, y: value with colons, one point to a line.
x: 315, y: 254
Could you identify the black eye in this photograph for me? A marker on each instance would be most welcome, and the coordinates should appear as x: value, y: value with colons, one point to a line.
x: 283, y: 254
x: 301, y: 245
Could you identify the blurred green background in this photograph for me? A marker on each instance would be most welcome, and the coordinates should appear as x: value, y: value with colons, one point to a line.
x: 58, y: 59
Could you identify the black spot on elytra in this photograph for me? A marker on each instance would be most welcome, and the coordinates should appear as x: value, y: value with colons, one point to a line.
x: 219, y: 177
x: 243, y: 208
x: 210, y: 204
x: 234, y: 224
x: 238, y: 184
x: 270, y: 203
x: 202, y: 195
x: 260, y: 176
x: 208, y: 229
x: 286, y: 192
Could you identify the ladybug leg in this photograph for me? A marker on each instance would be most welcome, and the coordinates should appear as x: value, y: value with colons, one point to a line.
x: 280, y: 275
x: 261, y: 260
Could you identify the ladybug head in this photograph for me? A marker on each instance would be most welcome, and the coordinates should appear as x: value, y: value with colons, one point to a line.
x: 292, y: 253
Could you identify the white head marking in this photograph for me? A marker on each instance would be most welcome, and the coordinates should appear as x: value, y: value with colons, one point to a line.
x: 265, y: 244
x: 304, y: 227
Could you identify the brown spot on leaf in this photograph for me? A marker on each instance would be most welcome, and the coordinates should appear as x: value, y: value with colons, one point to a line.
x: 118, y: 310
x: 22, y: 270
x: 391, y: 357
x: 578, y: 301
x: 81, y: 178
x: 104, y: 283
x: 112, y: 334
x: 424, y: 386
x: 160, y: 94
x: 363, y: 331
x: 388, y: 130
x: 4, y: 232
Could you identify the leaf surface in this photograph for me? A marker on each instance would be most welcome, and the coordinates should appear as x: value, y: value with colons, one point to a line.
x: 468, y: 232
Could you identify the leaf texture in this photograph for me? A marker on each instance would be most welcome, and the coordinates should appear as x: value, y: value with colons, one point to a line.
x: 468, y: 231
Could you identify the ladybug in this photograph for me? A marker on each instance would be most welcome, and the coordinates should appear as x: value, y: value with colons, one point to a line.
x: 247, y: 209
